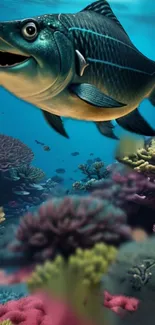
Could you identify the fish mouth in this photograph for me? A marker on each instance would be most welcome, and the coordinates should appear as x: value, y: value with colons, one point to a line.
x: 10, y: 60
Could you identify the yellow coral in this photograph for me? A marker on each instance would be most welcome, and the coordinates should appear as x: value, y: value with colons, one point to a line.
x: 143, y: 160
x: 6, y: 322
x: 78, y: 280
x: 89, y: 265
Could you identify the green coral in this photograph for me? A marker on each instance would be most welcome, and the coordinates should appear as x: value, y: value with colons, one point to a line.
x: 6, y: 322
x: 78, y: 279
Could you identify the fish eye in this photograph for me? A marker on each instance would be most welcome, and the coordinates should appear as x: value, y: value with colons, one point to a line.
x: 29, y: 31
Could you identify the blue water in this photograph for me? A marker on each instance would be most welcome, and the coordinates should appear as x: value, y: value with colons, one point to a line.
x: 23, y: 121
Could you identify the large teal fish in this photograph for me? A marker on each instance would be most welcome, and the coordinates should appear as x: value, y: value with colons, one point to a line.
x: 81, y: 65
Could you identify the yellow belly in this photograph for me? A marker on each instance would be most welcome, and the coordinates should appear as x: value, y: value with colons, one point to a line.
x: 73, y: 107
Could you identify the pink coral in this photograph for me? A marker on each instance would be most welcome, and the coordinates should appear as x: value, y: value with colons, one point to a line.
x: 39, y: 310
x: 62, y: 225
x: 120, y: 304
x: 13, y: 153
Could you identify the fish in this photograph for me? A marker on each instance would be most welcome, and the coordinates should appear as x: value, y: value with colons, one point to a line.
x: 75, y: 153
x: 60, y: 170
x: 79, y: 65
x: 46, y: 148
x: 38, y: 142
x: 21, y: 192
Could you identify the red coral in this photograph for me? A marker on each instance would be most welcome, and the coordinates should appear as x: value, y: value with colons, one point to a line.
x: 13, y: 153
x: 39, y: 310
x: 62, y: 225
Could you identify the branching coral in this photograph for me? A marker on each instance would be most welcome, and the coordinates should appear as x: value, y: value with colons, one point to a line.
x: 143, y: 160
x: 94, y: 169
x: 88, y: 265
x: 13, y: 153
x: 63, y: 224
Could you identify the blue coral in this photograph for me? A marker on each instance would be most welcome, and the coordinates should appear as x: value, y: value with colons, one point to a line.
x: 13, y: 292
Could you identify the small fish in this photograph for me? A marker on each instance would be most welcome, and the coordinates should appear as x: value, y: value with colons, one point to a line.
x: 74, y: 154
x: 38, y: 142
x: 21, y: 192
x: 37, y: 187
x: 46, y: 148
x: 60, y: 171
x: 82, y: 66
x: 91, y: 154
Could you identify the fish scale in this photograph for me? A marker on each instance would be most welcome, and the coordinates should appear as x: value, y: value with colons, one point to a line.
x: 92, y: 46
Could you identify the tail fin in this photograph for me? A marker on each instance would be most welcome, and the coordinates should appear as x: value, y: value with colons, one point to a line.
x: 152, y: 97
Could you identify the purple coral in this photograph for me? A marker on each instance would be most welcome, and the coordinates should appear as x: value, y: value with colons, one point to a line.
x: 62, y: 224
x: 13, y: 153
x: 124, y: 186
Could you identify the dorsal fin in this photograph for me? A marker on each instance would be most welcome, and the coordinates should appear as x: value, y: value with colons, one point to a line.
x: 102, y: 7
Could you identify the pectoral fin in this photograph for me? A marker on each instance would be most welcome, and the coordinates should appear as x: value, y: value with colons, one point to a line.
x: 135, y: 122
x: 56, y: 123
x: 106, y: 129
x: 94, y: 96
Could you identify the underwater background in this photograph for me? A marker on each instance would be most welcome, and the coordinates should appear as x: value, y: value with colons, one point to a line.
x: 91, y: 215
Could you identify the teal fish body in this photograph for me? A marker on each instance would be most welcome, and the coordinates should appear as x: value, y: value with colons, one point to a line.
x: 81, y: 65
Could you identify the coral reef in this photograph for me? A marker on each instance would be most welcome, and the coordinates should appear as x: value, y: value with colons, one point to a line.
x: 20, y: 190
x: 131, y: 191
x: 126, y: 188
x: 89, y: 265
x: 20, y: 185
x: 13, y: 153
x: 61, y: 225
x: 143, y: 160
x: 133, y: 274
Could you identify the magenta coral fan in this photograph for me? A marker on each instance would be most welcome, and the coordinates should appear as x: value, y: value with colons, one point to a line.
x: 13, y: 153
x: 63, y: 224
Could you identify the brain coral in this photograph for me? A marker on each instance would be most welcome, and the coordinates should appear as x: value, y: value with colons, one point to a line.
x: 13, y: 153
